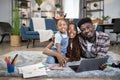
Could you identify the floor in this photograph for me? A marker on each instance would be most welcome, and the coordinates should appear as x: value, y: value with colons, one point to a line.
x: 5, y: 48
x: 7, y: 78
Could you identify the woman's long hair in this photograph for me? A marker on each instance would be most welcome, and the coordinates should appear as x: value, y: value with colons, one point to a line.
x: 74, y: 53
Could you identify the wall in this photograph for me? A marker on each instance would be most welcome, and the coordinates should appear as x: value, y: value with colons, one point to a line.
x: 5, y: 11
x: 112, y: 9
x: 71, y: 7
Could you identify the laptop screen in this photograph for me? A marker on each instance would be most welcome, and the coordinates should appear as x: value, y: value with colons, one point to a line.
x: 89, y: 64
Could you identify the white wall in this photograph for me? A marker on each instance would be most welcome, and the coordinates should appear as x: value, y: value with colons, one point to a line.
x: 71, y: 7
x: 5, y: 11
x: 112, y: 8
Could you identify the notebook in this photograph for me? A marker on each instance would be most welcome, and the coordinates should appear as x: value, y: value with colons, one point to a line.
x: 34, y: 70
x: 89, y: 64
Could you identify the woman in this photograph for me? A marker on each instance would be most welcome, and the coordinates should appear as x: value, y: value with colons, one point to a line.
x: 73, y: 49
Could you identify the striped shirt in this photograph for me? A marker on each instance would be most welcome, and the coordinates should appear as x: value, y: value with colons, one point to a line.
x: 98, y: 48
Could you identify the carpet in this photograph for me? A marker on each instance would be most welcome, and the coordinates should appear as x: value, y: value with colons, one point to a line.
x: 31, y: 57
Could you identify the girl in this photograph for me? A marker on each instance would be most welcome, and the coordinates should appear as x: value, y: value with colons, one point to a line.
x: 59, y: 49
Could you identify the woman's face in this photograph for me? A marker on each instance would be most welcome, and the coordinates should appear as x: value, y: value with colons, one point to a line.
x: 72, y: 31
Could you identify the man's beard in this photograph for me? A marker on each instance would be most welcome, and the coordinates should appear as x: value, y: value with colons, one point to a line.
x: 91, y: 38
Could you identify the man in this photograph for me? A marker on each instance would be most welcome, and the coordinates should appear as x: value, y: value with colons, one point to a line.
x: 94, y: 44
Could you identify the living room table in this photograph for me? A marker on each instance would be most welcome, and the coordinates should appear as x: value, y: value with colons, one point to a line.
x: 106, y: 26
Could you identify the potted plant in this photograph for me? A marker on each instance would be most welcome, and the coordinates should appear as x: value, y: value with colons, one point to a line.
x: 39, y: 2
x: 105, y: 19
x: 95, y: 5
x: 58, y: 6
x: 15, y: 35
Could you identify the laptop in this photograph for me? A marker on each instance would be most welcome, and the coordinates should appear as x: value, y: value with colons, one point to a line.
x: 89, y: 64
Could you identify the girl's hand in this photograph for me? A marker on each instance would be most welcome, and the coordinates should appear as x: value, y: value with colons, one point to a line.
x: 61, y: 59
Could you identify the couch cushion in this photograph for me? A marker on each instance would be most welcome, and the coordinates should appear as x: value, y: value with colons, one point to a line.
x: 31, y: 25
x: 50, y: 24
x: 26, y: 28
x: 32, y: 33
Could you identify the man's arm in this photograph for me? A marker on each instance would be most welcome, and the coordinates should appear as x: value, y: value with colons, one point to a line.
x: 104, y: 47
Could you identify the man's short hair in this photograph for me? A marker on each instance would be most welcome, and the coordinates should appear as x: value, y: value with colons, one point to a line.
x: 84, y: 20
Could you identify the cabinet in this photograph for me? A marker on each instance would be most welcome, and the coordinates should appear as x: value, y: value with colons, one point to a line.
x: 25, y: 11
x: 95, y: 9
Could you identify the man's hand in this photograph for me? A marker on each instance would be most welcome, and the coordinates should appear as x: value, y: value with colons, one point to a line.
x: 101, y: 55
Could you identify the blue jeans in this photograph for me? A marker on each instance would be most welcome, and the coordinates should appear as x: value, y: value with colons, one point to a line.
x: 51, y: 60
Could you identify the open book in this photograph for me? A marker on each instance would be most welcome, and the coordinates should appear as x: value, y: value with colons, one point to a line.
x: 33, y: 70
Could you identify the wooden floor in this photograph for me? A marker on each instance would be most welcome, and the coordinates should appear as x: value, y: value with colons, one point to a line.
x: 5, y: 48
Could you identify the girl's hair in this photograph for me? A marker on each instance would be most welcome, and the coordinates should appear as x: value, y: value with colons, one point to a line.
x: 59, y: 20
x: 56, y: 20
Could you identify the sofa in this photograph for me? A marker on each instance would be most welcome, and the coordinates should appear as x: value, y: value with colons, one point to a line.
x: 5, y: 30
x: 49, y: 24
x: 28, y: 33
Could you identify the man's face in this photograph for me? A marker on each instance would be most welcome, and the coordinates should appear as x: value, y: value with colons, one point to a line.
x: 87, y: 30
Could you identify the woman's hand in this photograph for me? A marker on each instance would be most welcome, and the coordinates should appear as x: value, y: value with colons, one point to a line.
x: 61, y: 59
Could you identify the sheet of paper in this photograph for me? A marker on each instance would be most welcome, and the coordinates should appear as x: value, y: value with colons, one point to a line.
x: 55, y: 67
x: 33, y: 70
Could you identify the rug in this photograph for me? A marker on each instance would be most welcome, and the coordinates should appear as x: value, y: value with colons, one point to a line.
x: 31, y: 57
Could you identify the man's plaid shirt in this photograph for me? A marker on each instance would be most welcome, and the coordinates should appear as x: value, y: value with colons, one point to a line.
x: 98, y: 48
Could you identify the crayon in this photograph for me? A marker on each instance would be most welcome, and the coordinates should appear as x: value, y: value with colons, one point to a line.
x: 14, y: 58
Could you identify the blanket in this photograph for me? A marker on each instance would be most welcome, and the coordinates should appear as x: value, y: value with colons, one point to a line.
x: 31, y: 57
x: 39, y: 26
x: 39, y: 23
x: 45, y: 35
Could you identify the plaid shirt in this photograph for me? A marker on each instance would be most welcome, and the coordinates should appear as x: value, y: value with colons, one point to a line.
x: 98, y: 48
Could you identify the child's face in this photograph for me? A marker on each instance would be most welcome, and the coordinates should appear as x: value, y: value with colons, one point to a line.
x: 72, y: 31
x: 62, y: 26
